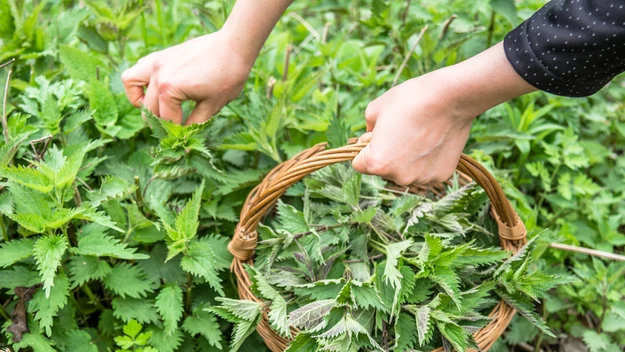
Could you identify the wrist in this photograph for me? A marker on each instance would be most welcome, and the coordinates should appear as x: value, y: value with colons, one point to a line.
x: 481, y: 82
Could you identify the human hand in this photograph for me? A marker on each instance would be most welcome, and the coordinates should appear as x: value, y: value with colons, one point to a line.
x: 418, y: 129
x: 415, y: 132
x: 208, y: 70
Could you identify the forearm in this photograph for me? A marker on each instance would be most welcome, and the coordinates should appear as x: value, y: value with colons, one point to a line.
x: 250, y: 23
x: 481, y: 82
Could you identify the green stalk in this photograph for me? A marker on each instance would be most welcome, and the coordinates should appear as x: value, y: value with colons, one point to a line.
x: 4, y: 313
x: 161, y: 21
x: 144, y: 29
x: 3, y: 228
x: 87, y: 290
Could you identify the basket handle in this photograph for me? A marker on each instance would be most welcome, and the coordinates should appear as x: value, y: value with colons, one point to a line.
x: 273, y: 186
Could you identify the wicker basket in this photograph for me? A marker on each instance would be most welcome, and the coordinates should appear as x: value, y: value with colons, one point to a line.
x: 512, y: 232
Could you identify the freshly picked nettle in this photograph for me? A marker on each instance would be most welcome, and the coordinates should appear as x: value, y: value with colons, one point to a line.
x: 348, y: 262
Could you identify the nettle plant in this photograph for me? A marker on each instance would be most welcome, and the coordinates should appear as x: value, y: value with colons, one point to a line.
x: 98, y: 239
x: 357, y: 264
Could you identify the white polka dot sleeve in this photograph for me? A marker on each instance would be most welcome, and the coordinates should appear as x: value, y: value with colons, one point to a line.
x: 570, y: 47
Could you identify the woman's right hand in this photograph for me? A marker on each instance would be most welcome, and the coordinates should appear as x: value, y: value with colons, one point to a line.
x: 208, y: 70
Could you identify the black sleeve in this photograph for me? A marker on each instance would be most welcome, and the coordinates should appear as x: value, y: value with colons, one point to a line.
x: 570, y: 47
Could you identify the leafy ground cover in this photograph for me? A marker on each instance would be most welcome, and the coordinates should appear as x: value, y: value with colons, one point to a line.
x: 114, y: 233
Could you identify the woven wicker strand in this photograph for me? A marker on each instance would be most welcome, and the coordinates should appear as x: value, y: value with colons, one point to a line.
x: 512, y: 232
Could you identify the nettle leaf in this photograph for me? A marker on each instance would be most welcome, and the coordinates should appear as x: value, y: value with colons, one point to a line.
x: 200, y: 261
x: 187, y: 221
x: 245, y: 314
x: 424, y: 325
x: 100, y: 245
x: 277, y: 310
x: 310, y: 315
x: 392, y: 275
x: 348, y: 326
x: 291, y: 219
x: 366, y: 297
x: 78, y: 340
x: 28, y: 177
x: 81, y: 65
x: 48, y: 252
x: 204, y: 323
x: 126, y: 279
x: 169, y: 306
x: 141, y: 310
x: 112, y: 187
x: 13, y: 251
x: 46, y: 305
x: 86, y: 268
x: 405, y: 333
x: 525, y: 308
x: 18, y: 276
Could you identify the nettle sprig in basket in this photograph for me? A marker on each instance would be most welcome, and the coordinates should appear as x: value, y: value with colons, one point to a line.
x: 350, y: 262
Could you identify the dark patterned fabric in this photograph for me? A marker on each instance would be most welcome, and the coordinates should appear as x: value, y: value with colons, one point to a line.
x: 570, y: 47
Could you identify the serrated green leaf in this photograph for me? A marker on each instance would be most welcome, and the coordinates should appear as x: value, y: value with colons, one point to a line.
x: 100, y: 245
x: 13, y: 251
x: 126, y: 279
x: 47, y: 304
x: 48, y: 252
x: 169, y: 305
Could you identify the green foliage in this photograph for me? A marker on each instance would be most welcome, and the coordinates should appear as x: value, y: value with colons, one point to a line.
x: 89, y: 189
x: 401, y: 273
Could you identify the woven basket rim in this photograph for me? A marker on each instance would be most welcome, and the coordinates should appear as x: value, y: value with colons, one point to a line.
x: 511, y: 229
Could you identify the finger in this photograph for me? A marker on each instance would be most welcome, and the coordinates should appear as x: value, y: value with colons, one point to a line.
x: 170, y: 108
x: 365, y: 138
x: 360, y: 161
x: 203, y: 111
x: 150, y: 100
x: 371, y: 115
x: 135, y: 79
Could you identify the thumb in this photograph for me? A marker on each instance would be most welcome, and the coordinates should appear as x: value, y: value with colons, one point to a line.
x: 202, y: 112
x: 360, y: 161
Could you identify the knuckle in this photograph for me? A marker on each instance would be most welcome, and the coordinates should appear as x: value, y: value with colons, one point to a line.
x: 369, y: 113
x: 126, y: 76
x: 166, y: 86
x: 403, y: 180
x: 376, y: 163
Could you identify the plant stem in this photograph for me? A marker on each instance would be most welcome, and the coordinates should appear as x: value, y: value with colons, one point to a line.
x: 91, y: 296
x: 5, y: 123
x: 4, y: 313
x: 3, y: 228
x: 491, y: 29
x: 189, y: 297
x: 588, y: 251
x: 407, y: 56
x: 161, y: 21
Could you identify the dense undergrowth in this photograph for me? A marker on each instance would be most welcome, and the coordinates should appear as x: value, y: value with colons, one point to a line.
x: 114, y: 233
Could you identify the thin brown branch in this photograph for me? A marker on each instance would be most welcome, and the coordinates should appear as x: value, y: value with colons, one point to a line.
x: 287, y: 59
x: 404, y: 15
x: 7, y: 63
x: 588, y: 251
x: 446, y: 25
x: 407, y: 57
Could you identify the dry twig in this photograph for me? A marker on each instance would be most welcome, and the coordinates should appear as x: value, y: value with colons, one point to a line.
x: 588, y: 251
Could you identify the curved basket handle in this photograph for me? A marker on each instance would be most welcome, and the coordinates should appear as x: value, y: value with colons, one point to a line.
x: 266, y: 194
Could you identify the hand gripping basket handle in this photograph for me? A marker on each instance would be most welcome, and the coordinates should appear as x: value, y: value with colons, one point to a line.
x: 290, y: 172
x: 273, y: 186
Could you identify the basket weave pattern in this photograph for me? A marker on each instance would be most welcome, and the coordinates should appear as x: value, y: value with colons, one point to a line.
x: 512, y: 232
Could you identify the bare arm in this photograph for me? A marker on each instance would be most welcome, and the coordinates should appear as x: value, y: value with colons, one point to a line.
x: 210, y: 70
x: 418, y: 129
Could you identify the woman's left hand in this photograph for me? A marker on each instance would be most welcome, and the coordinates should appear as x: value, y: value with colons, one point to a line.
x: 416, y: 133
x: 418, y: 129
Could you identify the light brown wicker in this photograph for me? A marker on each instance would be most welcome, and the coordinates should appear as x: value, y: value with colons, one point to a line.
x: 511, y: 229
